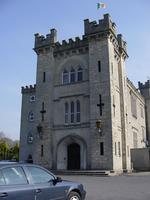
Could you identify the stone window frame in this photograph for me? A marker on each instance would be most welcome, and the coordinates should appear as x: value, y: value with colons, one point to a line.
x: 72, y: 75
x: 31, y: 116
x: 72, y: 112
x: 79, y: 72
x: 32, y: 98
x: 119, y: 149
x: 135, y: 139
x: 66, y: 112
x: 133, y: 105
x: 30, y: 138
x: 78, y: 111
x: 65, y: 77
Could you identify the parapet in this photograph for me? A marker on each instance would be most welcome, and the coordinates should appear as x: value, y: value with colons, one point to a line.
x: 145, y: 85
x: 71, y: 44
x: 49, y: 40
x: 103, y: 25
x: 28, y: 89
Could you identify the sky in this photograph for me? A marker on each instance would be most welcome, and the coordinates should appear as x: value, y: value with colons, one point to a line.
x: 21, y: 19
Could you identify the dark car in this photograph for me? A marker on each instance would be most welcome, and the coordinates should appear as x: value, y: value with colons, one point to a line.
x: 32, y: 182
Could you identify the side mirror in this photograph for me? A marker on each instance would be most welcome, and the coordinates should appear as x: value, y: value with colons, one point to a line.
x: 57, y: 180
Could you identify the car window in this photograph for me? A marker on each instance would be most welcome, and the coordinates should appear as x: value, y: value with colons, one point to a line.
x: 14, y: 176
x: 2, y: 181
x: 39, y: 175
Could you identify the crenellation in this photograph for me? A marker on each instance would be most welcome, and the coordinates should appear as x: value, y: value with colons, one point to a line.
x: 122, y: 45
x: 145, y: 85
x: 103, y: 25
x: 71, y: 44
x: 28, y: 89
x: 49, y: 40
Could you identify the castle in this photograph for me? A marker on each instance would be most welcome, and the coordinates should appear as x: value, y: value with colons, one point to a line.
x: 83, y: 112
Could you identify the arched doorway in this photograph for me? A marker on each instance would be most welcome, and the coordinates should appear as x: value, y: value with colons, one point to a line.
x: 73, y: 152
x: 69, y: 149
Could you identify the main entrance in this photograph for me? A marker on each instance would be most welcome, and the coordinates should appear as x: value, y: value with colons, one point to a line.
x: 73, y: 151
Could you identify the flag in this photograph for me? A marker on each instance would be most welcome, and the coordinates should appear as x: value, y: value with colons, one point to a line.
x: 101, y: 5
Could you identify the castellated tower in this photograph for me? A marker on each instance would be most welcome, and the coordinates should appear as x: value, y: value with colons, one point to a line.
x: 80, y: 118
x: 145, y: 91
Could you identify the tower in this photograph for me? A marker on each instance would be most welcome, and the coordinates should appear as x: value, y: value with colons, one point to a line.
x: 145, y: 91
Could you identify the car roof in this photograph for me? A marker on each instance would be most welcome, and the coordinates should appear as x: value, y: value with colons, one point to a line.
x: 12, y: 164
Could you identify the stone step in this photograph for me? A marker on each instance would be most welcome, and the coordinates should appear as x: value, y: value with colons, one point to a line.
x: 82, y: 172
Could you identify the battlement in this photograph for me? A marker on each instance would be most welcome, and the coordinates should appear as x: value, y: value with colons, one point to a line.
x: 41, y: 40
x: 103, y: 25
x: 71, y: 44
x: 28, y: 89
x: 145, y: 85
x: 122, y: 43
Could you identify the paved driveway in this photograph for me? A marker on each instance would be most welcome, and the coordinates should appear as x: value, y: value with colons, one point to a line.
x: 127, y: 187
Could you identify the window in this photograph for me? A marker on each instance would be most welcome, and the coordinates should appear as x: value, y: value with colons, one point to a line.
x: 133, y: 105
x: 115, y: 148
x: 78, y: 111
x: 72, y: 112
x: 114, y: 106
x: 142, y: 111
x: 80, y: 74
x: 32, y: 98
x: 2, y: 182
x: 99, y: 66
x: 119, y: 149
x: 42, y: 150
x: 101, y: 148
x: 44, y: 76
x: 112, y: 68
x: 31, y: 116
x: 65, y: 77
x: 14, y: 176
x: 72, y: 76
x: 66, y: 112
x: 40, y: 175
x: 135, y: 140
x: 143, y: 134
x: 30, y: 138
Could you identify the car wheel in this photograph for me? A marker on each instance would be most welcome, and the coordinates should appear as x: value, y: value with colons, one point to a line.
x: 74, y: 196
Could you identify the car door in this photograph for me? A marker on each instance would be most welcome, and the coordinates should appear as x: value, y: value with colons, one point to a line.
x: 14, y: 184
x: 44, y: 185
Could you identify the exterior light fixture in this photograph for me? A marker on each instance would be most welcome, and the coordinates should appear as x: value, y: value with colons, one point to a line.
x: 99, y: 126
x: 40, y: 131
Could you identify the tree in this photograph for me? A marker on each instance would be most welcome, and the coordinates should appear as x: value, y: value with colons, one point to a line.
x: 4, y: 147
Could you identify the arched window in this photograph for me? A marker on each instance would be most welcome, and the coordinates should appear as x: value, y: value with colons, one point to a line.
x: 65, y: 77
x: 78, y: 111
x: 30, y: 138
x: 31, y: 116
x: 72, y: 76
x: 66, y: 112
x: 72, y: 112
x: 80, y: 74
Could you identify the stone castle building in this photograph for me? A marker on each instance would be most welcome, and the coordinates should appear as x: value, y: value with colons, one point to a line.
x: 83, y: 112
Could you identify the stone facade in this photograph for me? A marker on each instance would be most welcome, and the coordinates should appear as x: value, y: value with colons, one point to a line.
x: 78, y: 83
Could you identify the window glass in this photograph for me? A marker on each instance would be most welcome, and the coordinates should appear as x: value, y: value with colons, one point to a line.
x: 32, y: 98
x: 72, y: 112
x: 40, y: 175
x: 78, y: 111
x: 133, y: 105
x: 66, y: 112
x: 14, y: 176
x: 2, y: 182
x: 31, y: 116
x: 72, y: 76
x: 65, y: 77
x: 80, y: 74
